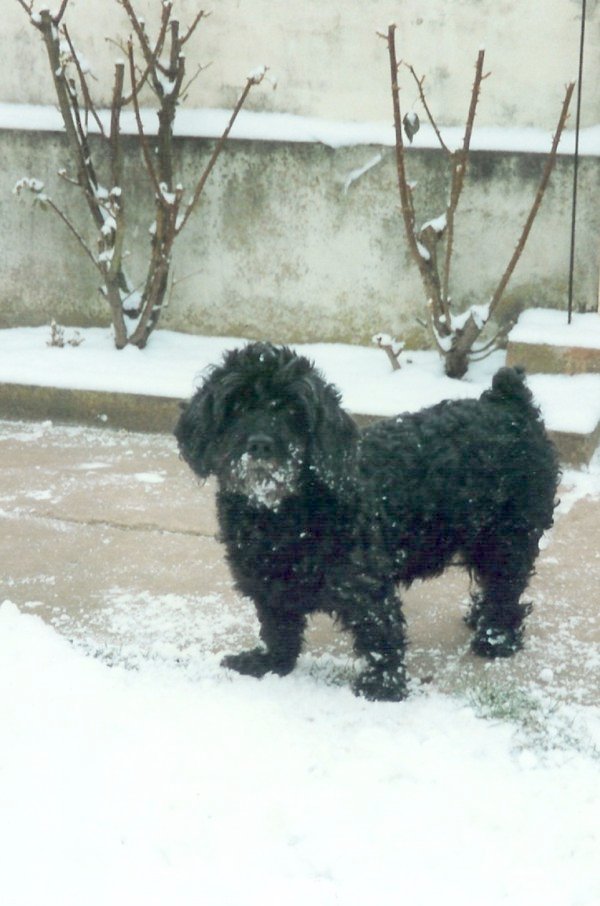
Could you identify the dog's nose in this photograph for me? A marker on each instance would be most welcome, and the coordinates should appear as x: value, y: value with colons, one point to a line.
x: 261, y: 446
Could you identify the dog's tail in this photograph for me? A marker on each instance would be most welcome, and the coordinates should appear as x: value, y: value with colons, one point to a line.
x: 508, y: 386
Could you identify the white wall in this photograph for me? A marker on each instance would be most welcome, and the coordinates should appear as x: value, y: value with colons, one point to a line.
x: 329, y: 61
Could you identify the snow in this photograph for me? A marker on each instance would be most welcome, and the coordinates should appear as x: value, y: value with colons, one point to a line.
x: 479, y: 313
x: 355, y: 174
x: 550, y: 327
x: 173, y: 364
x: 423, y: 251
x: 572, y: 402
x: 257, y: 74
x: 184, y: 786
x: 438, y: 224
x: 165, y: 779
x: 287, y: 127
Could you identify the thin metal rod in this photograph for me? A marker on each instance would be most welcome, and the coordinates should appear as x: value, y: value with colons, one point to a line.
x: 576, y: 162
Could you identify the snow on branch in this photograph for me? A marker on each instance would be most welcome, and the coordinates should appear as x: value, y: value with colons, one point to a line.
x: 392, y: 348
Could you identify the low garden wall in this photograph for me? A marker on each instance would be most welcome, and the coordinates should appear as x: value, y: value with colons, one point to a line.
x: 284, y: 245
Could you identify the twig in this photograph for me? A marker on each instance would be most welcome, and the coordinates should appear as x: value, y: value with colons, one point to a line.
x: 89, y: 104
x: 456, y: 359
x: 68, y: 109
x: 116, y: 106
x: 458, y: 178
x: 138, y: 119
x: 549, y: 166
x: 28, y: 7
x: 185, y: 88
x: 250, y: 83
x: 201, y: 15
x: 423, y: 99
x: 63, y: 6
x: 391, y: 348
x: 54, y: 207
x: 151, y: 55
x: 116, y: 163
x: 428, y: 273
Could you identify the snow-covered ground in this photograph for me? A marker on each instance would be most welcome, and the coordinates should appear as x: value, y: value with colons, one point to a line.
x: 173, y: 362
x: 155, y: 786
x: 179, y: 783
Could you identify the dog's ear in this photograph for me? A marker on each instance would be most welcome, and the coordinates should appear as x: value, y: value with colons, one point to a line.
x: 333, y: 442
x: 195, y: 432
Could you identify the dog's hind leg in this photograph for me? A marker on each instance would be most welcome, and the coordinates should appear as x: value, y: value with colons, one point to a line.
x: 378, y: 627
x: 282, y: 634
x: 497, y: 614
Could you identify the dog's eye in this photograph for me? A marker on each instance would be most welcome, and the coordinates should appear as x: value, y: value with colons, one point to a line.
x: 296, y: 416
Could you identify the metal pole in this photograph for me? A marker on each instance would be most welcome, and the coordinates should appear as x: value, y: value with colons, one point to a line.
x: 576, y: 162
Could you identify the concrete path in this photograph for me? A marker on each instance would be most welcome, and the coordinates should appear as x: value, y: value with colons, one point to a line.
x: 108, y: 536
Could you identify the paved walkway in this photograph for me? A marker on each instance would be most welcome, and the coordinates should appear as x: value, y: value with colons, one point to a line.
x: 108, y: 536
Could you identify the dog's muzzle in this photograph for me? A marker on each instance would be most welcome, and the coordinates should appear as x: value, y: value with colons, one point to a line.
x: 261, y: 477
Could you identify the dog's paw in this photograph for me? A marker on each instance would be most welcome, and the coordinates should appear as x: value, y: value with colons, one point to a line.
x: 473, y: 615
x: 379, y: 685
x: 255, y: 662
x: 491, y: 642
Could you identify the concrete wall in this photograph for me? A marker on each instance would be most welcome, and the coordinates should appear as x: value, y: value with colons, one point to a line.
x: 279, y: 250
x: 329, y: 61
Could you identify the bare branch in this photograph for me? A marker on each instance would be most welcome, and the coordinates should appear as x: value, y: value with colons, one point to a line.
x: 115, y: 125
x: 28, y: 7
x: 89, y: 104
x: 428, y: 273
x: 201, y: 15
x: 458, y: 179
x: 482, y: 352
x: 73, y: 229
x: 137, y: 86
x: 67, y: 103
x: 430, y: 117
x: 391, y: 348
x: 457, y: 357
x: 433, y: 325
x: 63, y: 6
x: 185, y: 88
x: 151, y: 54
x: 137, y: 27
x: 138, y: 119
x: 250, y: 83
x: 549, y: 166
x: 175, y: 46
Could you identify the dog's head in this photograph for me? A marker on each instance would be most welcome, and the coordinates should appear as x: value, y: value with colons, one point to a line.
x: 265, y: 423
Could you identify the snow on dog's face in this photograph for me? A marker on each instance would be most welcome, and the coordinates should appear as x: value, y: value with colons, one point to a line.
x: 263, y: 452
x: 265, y: 421
x: 263, y: 483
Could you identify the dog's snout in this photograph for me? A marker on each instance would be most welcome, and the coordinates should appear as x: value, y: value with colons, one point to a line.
x: 261, y: 446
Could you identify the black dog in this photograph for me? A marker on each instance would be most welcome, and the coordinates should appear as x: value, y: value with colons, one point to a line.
x: 317, y: 515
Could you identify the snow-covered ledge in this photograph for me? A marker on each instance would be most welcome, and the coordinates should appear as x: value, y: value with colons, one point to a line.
x: 563, y: 361
x: 546, y: 343
x: 263, y: 126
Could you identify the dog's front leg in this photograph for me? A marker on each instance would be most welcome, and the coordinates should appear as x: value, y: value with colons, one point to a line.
x: 372, y: 613
x: 281, y: 632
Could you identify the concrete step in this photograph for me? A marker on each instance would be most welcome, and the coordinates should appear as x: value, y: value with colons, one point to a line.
x: 544, y: 343
x: 153, y: 414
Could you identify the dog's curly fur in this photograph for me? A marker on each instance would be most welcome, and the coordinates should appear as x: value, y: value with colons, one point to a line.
x: 319, y: 516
